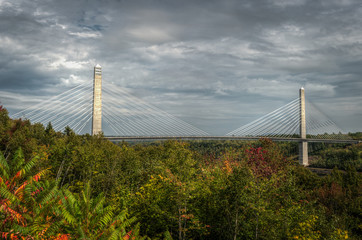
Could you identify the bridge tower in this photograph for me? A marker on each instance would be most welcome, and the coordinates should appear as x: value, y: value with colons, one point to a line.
x: 303, y: 145
x: 97, y: 100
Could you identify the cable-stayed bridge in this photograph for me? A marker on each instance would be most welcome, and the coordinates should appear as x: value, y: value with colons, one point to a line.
x: 121, y: 116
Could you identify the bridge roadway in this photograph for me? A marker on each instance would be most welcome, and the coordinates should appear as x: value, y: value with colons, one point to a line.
x: 155, y: 138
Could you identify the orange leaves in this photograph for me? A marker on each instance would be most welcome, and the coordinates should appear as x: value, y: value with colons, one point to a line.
x: 12, y: 236
x: 20, y: 191
x: 5, y: 235
x: 13, y: 215
x: 227, y: 167
x: 127, y: 236
x: 171, y: 178
x: 44, y: 230
x: 187, y: 216
x: 37, y: 177
x: 61, y: 237
x: 229, y: 164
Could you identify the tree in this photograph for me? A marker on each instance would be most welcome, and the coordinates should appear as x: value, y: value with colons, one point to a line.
x: 89, y: 218
x: 27, y: 205
x: 5, y: 124
x: 163, y: 202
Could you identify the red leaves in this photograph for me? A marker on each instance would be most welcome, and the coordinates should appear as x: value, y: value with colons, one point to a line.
x: 36, y: 178
x: 18, y: 175
x: 330, y: 195
x: 37, y: 191
x: 258, y: 162
x: 266, y: 159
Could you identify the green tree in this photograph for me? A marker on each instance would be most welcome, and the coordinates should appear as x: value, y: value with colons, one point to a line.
x: 89, y: 218
x: 5, y: 124
x: 163, y: 202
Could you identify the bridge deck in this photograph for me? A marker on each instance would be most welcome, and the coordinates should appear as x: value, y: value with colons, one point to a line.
x: 155, y: 138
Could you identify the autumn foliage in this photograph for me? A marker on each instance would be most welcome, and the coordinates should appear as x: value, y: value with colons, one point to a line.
x: 59, y: 185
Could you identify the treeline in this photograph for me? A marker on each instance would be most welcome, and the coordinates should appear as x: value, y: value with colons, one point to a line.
x: 65, y: 186
x: 322, y: 155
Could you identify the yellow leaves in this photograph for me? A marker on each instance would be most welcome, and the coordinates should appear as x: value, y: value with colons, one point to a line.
x: 306, y: 230
x: 140, y: 195
x: 340, y: 234
x: 41, y: 153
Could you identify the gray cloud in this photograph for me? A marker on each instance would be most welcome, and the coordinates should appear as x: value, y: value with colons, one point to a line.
x: 217, y: 64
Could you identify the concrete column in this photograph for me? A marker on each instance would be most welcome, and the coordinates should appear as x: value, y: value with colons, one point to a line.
x: 97, y: 101
x: 303, y: 145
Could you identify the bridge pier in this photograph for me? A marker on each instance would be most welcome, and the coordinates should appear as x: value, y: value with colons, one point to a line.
x: 97, y: 101
x: 303, y: 145
x: 303, y: 153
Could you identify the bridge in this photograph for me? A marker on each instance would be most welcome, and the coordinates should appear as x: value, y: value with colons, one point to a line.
x: 123, y: 117
x: 225, y: 138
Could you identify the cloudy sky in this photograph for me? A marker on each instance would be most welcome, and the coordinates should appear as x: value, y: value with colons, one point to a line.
x: 215, y: 64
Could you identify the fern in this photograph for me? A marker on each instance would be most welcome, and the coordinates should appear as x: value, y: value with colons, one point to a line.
x: 6, y: 194
x: 68, y: 216
x: 90, y: 219
x: 167, y: 236
x: 18, y: 161
x: 98, y: 203
x: 114, y: 235
x: 51, y: 192
x: 28, y: 166
x: 106, y: 218
x: 28, y: 206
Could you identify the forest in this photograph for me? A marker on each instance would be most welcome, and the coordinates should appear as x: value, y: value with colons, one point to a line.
x: 60, y: 185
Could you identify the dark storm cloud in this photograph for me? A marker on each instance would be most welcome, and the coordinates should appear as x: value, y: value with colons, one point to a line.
x: 235, y: 59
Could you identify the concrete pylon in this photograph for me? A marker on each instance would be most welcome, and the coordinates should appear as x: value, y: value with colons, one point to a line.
x: 97, y: 100
x: 303, y: 145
